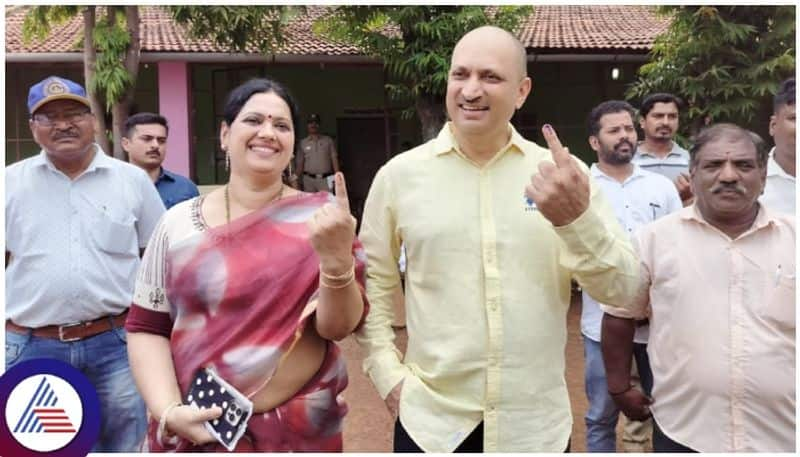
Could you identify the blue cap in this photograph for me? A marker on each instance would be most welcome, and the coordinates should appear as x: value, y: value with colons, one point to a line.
x: 55, y: 88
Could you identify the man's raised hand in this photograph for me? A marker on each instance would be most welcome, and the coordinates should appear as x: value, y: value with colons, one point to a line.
x: 561, y: 190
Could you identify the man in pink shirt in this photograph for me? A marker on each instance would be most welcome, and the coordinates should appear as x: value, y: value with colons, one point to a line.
x: 717, y: 281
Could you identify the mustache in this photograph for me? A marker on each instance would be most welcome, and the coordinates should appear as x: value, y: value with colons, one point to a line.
x: 65, y: 134
x: 736, y: 187
x: 630, y: 145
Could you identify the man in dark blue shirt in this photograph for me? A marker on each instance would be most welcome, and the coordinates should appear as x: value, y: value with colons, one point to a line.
x: 145, y: 141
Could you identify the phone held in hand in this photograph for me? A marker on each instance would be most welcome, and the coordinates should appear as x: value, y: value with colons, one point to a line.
x: 207, y: 390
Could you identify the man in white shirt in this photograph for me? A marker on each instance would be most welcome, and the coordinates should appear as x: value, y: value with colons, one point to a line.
x: 638, y: 197
x: 779, y: 193
x: 76, y: 223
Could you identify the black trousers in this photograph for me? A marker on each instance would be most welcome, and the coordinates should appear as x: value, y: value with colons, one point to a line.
x: 663, y: 443
x: 473, y: 443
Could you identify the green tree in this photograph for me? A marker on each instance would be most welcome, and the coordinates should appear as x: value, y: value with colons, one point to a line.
x: 238, y: 28
x: 415, y: 43
x: 110, y: 58
x: 725, y: 61
x: 111, y: 47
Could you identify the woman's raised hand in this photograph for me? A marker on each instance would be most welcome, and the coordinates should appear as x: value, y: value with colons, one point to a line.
x: 332, y: 229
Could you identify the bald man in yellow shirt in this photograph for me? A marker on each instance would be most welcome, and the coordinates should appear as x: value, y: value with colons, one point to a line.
x: 495, y: 227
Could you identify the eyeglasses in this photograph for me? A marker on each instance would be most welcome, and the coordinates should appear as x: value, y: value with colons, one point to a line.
x: 48, y: 120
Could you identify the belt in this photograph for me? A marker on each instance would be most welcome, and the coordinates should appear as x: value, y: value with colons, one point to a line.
x: 318, y: 175
x: 72, y: 332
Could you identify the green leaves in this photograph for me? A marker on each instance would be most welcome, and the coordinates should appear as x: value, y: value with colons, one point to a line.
x: 725, y: 61
x: 238, y: 28
x: 111, y: 40
x: 414, y: 42
x: 111, y: 78
x: 41, y: 19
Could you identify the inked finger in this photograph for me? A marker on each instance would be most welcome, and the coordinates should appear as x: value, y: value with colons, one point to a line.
x: 341, y: 191
x: 560, y: 154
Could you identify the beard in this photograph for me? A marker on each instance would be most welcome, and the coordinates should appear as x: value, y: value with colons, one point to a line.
x: 615, y: 155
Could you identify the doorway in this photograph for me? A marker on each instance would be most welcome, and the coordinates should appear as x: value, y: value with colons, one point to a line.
x: 362, y: 147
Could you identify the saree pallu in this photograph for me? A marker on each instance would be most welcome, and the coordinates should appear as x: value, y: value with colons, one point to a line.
x: 241, y: 296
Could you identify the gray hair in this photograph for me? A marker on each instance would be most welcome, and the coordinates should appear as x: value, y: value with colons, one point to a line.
x: 730, y: 132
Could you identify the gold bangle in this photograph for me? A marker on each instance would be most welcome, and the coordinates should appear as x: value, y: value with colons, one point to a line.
x: 342, y: 277
x: 323, y: 282
x: 162, y: 423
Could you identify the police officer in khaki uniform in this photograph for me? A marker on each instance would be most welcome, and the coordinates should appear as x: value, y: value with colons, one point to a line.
x: 318, y: 159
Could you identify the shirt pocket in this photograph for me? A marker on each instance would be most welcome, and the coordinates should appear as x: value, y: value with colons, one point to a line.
x: 780, y: 308
x: 115, y: 236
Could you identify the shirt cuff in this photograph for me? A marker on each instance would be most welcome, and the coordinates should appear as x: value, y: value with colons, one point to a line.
x: 386, y: 371
x: 622, y: 312
x: 585, y: 233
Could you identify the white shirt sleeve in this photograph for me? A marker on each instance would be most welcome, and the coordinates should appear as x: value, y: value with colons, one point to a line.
x: 150, y: 210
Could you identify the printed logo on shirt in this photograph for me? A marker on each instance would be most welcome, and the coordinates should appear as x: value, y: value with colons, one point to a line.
x: 529, y: 204
x: 50, y: 408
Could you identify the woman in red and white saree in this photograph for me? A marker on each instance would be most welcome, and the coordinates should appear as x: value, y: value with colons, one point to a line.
x: 253, y: 280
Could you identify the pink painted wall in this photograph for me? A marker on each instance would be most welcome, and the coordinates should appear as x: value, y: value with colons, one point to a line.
x: 173, y: 103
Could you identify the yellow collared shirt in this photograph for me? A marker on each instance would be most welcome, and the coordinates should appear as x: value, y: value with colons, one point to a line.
x: 487, y: 294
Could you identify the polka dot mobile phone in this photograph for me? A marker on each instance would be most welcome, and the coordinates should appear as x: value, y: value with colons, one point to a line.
x: 208, y: 390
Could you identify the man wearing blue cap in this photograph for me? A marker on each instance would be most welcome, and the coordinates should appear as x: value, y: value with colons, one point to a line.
x: 76, y: 222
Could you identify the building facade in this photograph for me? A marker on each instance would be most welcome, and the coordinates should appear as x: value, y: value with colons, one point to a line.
x: 576, y: 58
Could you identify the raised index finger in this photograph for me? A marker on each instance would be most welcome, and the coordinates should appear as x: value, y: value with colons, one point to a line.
x: 341, y: 192
x: 560, y: 154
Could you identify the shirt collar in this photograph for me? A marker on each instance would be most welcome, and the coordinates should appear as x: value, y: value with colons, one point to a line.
x: 764, y: 218
x: 165, y: 175
x: 635, y: 174
x: 100, y: 160
x: 675, y: 151
x: 773, y: 169
x: 445, y: 142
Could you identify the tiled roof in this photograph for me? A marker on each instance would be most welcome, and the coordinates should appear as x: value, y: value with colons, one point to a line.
x: 549, y: 28
x: 592, y: 27
x: 161, y: 34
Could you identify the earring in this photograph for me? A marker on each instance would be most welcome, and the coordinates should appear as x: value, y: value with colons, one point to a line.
x: 227, y: 157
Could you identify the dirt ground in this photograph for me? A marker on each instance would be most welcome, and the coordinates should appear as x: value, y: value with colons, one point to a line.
x: 368, y: 426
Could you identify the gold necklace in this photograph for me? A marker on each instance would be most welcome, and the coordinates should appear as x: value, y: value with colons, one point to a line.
x: 277, y: 196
